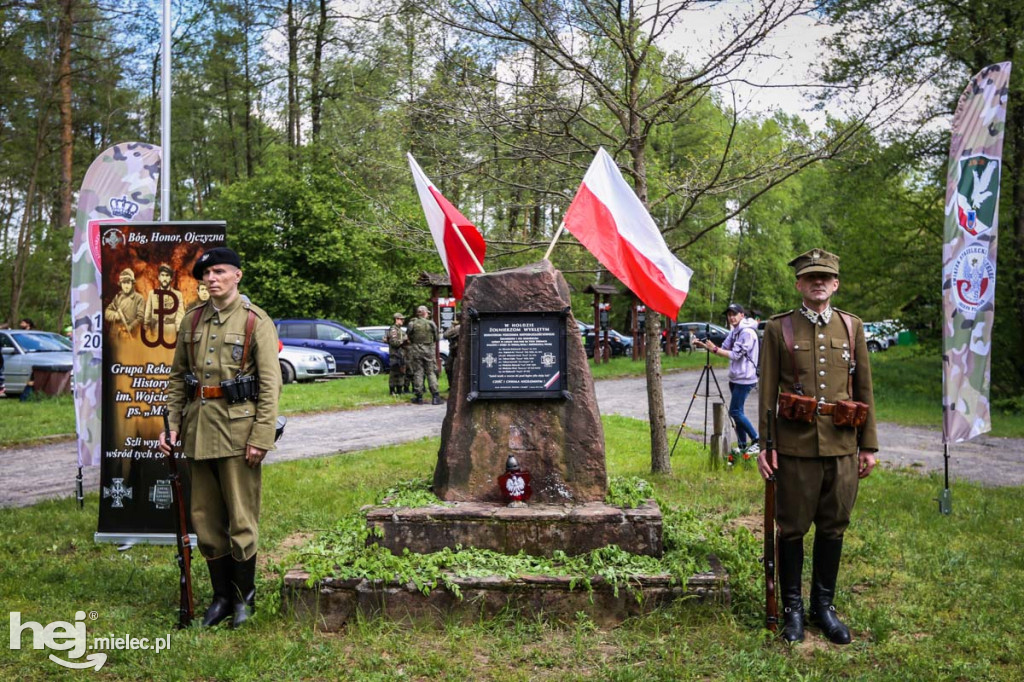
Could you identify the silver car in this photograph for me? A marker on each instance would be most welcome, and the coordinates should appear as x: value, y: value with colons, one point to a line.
x: 25, y: 349
x: 305, y: 364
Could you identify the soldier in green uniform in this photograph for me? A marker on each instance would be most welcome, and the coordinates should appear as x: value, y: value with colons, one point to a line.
x: 423, y: 342
x: 224, y: 386
x: 398, y: 342
x: 818, y: 351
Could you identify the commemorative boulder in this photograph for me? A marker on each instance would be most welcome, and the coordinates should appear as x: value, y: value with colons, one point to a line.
x: 521, y: 388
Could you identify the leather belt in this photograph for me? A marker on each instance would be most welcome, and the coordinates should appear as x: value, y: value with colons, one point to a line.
x: 825, y: 408
x: 212, y: 392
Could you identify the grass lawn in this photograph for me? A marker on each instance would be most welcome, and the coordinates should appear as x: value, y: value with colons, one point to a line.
x: 928, y: 597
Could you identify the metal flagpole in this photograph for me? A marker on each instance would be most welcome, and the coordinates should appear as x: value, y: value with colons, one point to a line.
x: 165, y: 114
x: 946, y: 496
x: 555, y: 239
x: 472, y: 255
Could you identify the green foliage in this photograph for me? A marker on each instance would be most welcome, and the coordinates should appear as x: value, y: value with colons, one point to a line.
x: 628, y: 493
x: 412, y: 493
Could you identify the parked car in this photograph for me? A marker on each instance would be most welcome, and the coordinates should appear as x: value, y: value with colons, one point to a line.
x: 876, y: 337
x: 26, y: 349
x: 620, y: 344
x: 378, y: 332
x: 353, y: 352
x: 701, y: 331
x: 305, y: 364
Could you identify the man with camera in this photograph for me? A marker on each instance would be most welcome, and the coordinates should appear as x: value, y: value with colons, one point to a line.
x: 815, y: 375
x: 222, y: 398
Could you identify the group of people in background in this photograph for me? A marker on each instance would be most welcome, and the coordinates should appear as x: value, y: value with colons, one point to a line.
x: 413, y: 361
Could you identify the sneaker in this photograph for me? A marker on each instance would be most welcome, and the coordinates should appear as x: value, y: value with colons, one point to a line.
x: 754, y: 449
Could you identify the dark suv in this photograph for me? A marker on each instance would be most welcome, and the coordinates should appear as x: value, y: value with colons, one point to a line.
x: 353, y: 352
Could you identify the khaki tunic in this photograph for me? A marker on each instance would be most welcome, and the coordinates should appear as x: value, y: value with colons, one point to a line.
x: 211, y: 428
x: 823, y: 358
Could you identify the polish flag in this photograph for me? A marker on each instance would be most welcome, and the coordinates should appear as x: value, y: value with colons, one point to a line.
x: 459, y: 243
x: 608, y: 218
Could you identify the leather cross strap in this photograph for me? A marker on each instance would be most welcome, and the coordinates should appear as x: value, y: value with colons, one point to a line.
x: 848, y: 322
x: 787, y: 337
x: 250, y: 324
x: 192, y: 337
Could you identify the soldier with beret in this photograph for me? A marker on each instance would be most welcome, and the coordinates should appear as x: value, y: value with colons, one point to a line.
x: 818, y: 351
x: 225, y: 382
x: 398, y: 343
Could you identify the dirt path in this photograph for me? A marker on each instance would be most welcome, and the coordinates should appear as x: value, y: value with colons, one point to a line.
x: 31, y: 474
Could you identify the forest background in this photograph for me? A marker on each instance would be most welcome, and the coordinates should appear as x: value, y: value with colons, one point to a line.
x: 291, y: 120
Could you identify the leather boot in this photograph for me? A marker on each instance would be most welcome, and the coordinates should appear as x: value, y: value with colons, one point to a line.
x: 436, y: 399
x: 791, y: 564
x: 220, y: 578
x: 824, y: 572
x: 393, y: 391
x: 417, y: 399
x: 243, y: 590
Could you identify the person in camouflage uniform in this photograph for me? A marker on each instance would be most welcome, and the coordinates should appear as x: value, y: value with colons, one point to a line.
x: 422, y: 361
x: 222, y: 340
x: 125, y: 311
x: 398, y: 342
x: 817, y: 464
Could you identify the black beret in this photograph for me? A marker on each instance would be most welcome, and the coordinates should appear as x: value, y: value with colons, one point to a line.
x: 218, y: 255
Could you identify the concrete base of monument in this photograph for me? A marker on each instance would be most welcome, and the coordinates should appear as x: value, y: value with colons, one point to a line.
x: 537, y: 529
x: 333, y: 603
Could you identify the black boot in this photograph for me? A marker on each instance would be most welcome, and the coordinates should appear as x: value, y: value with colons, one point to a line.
x: 824, y: 572
x: 243, y: 590
x: 791, y: 566
x: 393, y: 391
x: 436, y: 399
x: 417, y: 399
x: 220, y: 578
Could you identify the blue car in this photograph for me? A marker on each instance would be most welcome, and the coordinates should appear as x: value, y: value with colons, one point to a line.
x: 353, y: 352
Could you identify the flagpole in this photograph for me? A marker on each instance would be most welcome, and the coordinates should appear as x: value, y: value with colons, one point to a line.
x: 472, y: 255
x: 555, y: 239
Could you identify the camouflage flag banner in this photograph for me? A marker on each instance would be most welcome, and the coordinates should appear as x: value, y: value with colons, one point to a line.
x: 147, y: 287
x: 119, y: 186
x: 969, y: 253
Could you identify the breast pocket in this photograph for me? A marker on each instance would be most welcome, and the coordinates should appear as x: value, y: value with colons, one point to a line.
x: 231, y: 357
x: 804, y: 359
x: 839, y: 353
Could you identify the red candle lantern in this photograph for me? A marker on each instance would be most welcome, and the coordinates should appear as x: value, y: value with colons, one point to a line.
x: 515, y: 483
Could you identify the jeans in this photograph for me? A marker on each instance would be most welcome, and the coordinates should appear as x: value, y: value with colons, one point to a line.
x: 744, y: 428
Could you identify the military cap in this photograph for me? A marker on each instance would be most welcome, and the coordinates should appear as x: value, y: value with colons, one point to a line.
x: 422, y: 309
x: 816, y: 260
x: 734, y: 308
x: 399, y: 316
x: 127, y: 275
x: 164, y: 267
x: 218, y: 255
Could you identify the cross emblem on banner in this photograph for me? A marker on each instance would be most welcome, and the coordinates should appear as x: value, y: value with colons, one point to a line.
x: 118, y: 492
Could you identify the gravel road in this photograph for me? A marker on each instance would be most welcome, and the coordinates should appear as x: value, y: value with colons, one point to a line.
x: 32, y: 474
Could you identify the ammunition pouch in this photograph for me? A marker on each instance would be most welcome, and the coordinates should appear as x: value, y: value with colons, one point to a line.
x: 191, y: 386
x: 850, y: 413
x: 797, y: 408
x: 240, y: 389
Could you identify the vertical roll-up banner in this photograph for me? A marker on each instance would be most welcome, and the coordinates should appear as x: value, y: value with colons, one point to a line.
x: 969, y: 253
x: 147, y: 288
x: 119, y: 186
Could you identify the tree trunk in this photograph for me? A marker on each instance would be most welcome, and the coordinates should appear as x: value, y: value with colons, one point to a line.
x: 64, y: 84
x: 316, y: 94
x: 19, y: 268
x: 293, y: 80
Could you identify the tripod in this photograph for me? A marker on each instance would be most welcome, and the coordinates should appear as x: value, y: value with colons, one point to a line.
x: 706, y: 375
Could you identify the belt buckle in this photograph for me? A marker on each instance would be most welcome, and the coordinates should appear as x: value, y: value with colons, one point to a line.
x: 821, y: 402
x: 202, y: 391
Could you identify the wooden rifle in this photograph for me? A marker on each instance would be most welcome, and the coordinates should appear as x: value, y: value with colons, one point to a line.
x: 186, y: 604
x: 771, y: 549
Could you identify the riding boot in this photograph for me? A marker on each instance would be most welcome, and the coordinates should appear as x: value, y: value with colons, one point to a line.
x: 436, y: 399
x: 791, y: 564
x: 243, y: 590
x: 824, y: 572
x: 220, y: 578
x: 417, y: 399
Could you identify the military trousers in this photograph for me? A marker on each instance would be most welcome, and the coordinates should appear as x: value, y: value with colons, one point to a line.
x: 226, y: 506
x: 818, y: 490
x: 423, y: 365
x: 396, y: 377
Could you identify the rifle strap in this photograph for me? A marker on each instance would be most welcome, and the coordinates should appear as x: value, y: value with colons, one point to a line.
x: 787, y: 338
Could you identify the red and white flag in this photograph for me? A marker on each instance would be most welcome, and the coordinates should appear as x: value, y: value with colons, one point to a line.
x: 608, y: 218
x: 459, y: 243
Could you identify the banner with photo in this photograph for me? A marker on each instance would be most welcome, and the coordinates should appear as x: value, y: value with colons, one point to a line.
x: 120, y: 186
x: 969, y: 253
x: 147, y: 288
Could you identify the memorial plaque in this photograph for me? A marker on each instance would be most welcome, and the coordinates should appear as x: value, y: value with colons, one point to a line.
x: 518, y: 355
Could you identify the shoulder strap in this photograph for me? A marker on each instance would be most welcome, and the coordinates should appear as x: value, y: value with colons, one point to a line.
x: 250, y: 324
x: 848, y: 323
x: 192, y: 336
x: 787, y: 337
